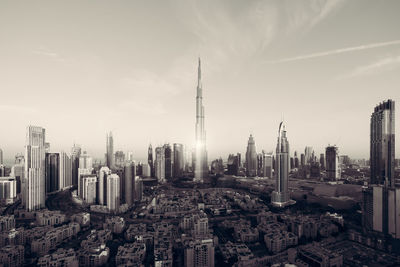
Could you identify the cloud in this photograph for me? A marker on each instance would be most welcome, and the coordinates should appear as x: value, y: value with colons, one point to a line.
x: 48, y: 53
x: 336, y: 52
x: 382, y: 65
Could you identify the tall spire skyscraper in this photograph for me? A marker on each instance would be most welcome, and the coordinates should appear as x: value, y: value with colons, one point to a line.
x: 251, y: 158
x: 34, y: 186
x: 280, y: 196
x: 200, y: 161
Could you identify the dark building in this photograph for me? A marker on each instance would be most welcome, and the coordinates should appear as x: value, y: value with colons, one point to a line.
x: 251, y: 158
x: 179, y: 162
x: 168, y: 162
x: 217, y: 167
x: 296, y: 160
x: 150, y: 160
x: 129, y: 183
x: 302, y: 160
x: 110, y: 150
x: 332, y: 163
x: 75, y: 155
x: 292, y: 166
x: 322, y: 161
x: 52, y: 172
x: 233, y: 164
x: 119, y: 158
x: 382, y: 144
x: 315, y: 171
x: 260, y: 165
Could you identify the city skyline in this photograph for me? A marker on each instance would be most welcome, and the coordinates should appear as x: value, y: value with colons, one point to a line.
x: 245, y: 69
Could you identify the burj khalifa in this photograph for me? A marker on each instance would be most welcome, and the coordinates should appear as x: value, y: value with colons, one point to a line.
x: 200, y: 160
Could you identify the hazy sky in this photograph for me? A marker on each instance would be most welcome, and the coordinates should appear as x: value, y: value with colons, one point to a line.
x: 82, y: 68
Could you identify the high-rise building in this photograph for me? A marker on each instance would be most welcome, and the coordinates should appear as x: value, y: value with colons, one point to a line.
x: 179, y: 163
x: 233, y: 165
x: 159, y: 164
x: 65, y: 171
x: 199, y: 253
x: 382, y: 144
x: 8, y: 190
x: 110, y: 150
x: 102, y: 185
x: 52, y: 172
x: 119, y: 158
x: 267, y: 165
x: 113, y: 192
x: 89, y: 188
x: 217, y: 167
x: 85, y: 168
x: 18, y: 172
x: 308, y: 153
x: 129, y: 156
x: 138, y: 189
x: 322, y: 161
x: 129, y: 183
x: 146, y: 170
x: 251, y: 158
x: 34, y: 184
x: 260, y: 164
x: 168, y: 162
x: 332, y: 163
x: 296, y: 160
x: 280, y: 196
x: 302, y: 160
x: 150, y: 160
x: 200, y: 160
x: 1, y: 156
x: 75, y: 154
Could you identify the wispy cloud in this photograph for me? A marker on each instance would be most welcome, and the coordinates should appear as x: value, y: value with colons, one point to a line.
x: 48, y: 53
x: 336, y: 52
x: 384, y: 64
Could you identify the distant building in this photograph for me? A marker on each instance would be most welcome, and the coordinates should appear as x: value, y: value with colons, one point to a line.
x: 146, y: 170
x: 138, y: 189
x: 322, y: 161
x: 102, y: 185
x: 168, y: 162
x: 119, y: 158
x: 1, y: 157
x: 179, y: 161
x: 251, y: 158
x: 332, y: 163
x: 267, y: 168
x: 217, y: 167
x: 75, y: 155
x: 159, y: 164
x: 85, y: 168
x: 308, y: 153
x: 296, y: 160
x: 110, y: 150
x: 302, y: 160
x: 150, y: 160
x: 233, y: 164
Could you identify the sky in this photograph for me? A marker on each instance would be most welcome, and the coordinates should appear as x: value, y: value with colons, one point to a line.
x: 83, y: 68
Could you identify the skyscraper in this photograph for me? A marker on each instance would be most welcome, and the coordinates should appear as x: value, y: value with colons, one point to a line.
x: 332, y: 163
x: 129, y: 183
x: 179, y: 163
x: 168, y: 161
x: 34, y: 194
x: 85, y: 168
x: 382, y: 144
x: 150, y: 160
x: 200, y: 160
x: 75, y: 154
x: 113, y: 192
x: 280, y: 196
x: 102, y: 185
x: 267, y: 160
x: 296, y: 160
x: 322, y: 161
x: 119, y: 158
x: 110, y: 151
x: 308, y: 153
x: 159, y: 164
x: 1, y: 156
x: 52, y: 172
x: 251, y: 158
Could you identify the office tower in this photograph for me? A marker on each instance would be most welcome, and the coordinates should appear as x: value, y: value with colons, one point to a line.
x: 146, y: 170
x: 308, y: 153
x: 292, y: 163
x: 179, y: 163
x: 199, y: 253
x: 150, y: 160
x: 102, y: 185
x: 382, y: 144
x: 296, y: 160
x: 159, y: 164
x: 52, y: 172
x: 332, y: 163
x: 251, y: 158
x: 89, y: 188
x: 113, y: 192
x: 267, y: 165
x: 119, y: 158
x: 8, y: 190
x: 233, y: 165
x: 280, y: 196
x: 139, y: 169
x: 138, y: 189
x: 1, y: 156
x: 58, y: 171
x: 85, y: 163
x: 200, y: 160
x: 322, y: 161
x: 302, y: 160
x: 34, y: 186
x: 2, y: 170
x: 260, y: 164
x: 18, y: 172
x: 168, y: 162
x: 129, y: 156
x: 110, y: 151
x: 75, y: 154
x: 129, y: 183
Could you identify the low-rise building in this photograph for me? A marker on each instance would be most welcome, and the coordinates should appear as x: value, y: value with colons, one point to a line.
x: 61, y: 257
x: 49, y: 217
x: 94, y: 255
x: 116, y: 224
x: 130, y: 254
x: 12, y: 256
